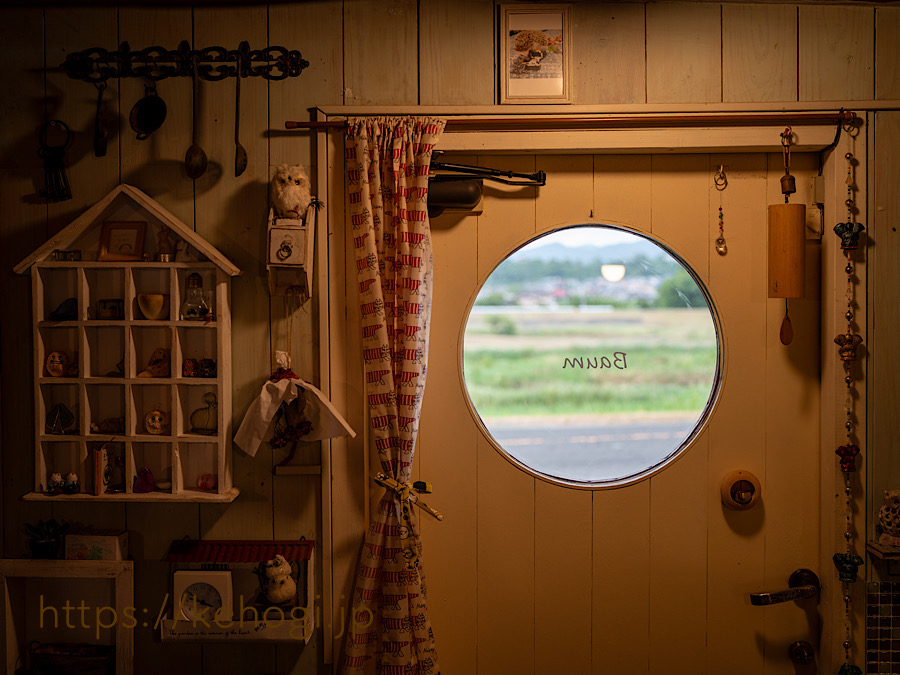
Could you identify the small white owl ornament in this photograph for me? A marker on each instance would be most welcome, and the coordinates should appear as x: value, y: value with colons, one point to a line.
x: 290, y: 191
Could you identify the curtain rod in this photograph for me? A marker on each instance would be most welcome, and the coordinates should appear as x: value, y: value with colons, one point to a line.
x: 602, y: 122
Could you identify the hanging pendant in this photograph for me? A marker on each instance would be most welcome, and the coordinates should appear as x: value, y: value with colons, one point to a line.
x: 786, y: 334
x: 721, y: 248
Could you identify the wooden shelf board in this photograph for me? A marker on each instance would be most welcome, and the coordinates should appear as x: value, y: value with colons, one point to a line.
x: 883, y: 551
x: 275, y: 630
x: 125, y: 263
x: 297, y: 470
x: 80, y: 569
x: 184, y: 496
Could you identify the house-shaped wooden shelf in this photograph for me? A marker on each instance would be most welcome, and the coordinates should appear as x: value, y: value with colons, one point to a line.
x: 104, y: 303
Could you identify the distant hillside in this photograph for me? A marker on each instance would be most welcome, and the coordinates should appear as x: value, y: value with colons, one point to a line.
x: 614, y: 253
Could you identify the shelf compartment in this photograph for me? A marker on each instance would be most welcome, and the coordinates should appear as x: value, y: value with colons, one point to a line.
x: 58, y: 339
x: 195, y: 460
x: 196, y: 342
x: 62, y: 457
x: 145, y: 340
x: 52, y: 395
x: 106, y: 405
x: 191, y: 398
x: 104, y: 351
x: 56, y: 284
x: 105, y: 293
x: 147, y: 398
x: 157, y: 457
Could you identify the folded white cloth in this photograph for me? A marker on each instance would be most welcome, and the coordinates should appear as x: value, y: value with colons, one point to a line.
x: 257, y: 424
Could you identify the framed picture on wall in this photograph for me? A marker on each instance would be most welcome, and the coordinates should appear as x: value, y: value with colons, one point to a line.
x: 535, y: 42
x: 122, y: 240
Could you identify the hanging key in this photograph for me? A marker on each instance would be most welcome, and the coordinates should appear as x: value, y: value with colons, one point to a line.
x: 54, y: 139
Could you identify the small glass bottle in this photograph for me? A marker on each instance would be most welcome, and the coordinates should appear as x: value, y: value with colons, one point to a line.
x: 194, y: 307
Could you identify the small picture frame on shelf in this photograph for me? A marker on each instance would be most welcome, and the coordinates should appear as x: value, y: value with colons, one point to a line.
x: 534, y: 53
x: 122, y: 240
x: 111, y: 309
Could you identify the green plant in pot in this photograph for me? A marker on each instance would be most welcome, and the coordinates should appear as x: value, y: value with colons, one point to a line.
x: 46, y: 538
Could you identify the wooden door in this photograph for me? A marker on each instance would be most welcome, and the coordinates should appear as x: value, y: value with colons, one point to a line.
x: 525, y: 576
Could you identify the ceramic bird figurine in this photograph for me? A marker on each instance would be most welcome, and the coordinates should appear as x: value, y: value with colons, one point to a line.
x: 290, y: 191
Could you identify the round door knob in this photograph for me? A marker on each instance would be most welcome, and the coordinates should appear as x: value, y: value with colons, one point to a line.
x: 801, y: 653
x: 740, y: 490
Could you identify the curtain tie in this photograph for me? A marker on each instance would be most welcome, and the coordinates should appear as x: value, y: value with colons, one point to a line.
x: 405, y: 493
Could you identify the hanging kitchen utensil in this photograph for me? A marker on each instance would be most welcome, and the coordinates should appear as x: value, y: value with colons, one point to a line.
x: 195, y: 158
x: 100, y: 132
x: 786, y: 334
x: 240, y: 155
x: 148, y: 114
x: 54, y: 138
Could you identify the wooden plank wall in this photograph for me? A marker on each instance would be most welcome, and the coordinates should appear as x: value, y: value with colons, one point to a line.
x: 361, y: 52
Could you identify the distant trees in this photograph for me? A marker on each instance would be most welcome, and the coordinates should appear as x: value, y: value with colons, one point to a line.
x: 680, y: 290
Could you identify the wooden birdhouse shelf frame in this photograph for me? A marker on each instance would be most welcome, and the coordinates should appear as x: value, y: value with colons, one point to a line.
x: 109, y: 353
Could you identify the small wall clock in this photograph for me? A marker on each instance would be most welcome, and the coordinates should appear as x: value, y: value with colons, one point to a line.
x: 202, y: 595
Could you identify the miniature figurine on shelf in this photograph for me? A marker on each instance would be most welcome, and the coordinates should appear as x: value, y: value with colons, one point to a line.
x: 56, y: 364
x: 205, y: 420
x: 156, y: 422
x: 66, y: 311
x: 59, y: 420
x: 280, y: 586
x: 72, y: 485
x: 207, y: 368
x: 144, y: 482
x: 166, y: 250
x: 159, y: 365
x: 110, y: 425
x: 207, y: 481
x: 190, y: 368
x: 56, y: 484
x: 889, y: 519
x: 290, y: 189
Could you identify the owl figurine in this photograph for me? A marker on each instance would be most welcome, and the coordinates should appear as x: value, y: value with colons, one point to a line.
x: 290, y: 191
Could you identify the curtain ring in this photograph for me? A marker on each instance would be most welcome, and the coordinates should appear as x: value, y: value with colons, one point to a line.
x: 720, y: 179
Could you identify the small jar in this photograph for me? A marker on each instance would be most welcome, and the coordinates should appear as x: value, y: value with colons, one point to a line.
x: 194, y: 307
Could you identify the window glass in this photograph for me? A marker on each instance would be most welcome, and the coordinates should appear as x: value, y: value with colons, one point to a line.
x: 591, y: 355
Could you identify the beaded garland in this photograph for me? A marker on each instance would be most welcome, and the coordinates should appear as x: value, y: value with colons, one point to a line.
x: 847, y: 562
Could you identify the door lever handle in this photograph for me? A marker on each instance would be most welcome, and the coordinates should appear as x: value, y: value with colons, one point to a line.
x: 803, y: 583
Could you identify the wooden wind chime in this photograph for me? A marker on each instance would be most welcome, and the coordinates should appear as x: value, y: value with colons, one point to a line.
x: 787, y: 243
x: 847, y: 562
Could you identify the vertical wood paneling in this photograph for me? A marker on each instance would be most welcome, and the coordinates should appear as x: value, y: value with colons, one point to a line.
x: 883, y: 457
x: 759, y: 53
x: 887, y: 53
x: 621, y: 518
x: 23, y: 227
x: 156, y: 166
x: 380, y: 52
x: 456, y: 50
x: 737, y: 429
x: 608, y: 61
x: 563, y: 516
x: 684, y: 42
x: 447, y: 453
x: 678, y: 500
x: 506, y: 509
x: 793, y: 447
x: 836, y: 53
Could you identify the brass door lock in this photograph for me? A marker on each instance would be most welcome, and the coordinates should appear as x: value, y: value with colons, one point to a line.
x: 740, y: 490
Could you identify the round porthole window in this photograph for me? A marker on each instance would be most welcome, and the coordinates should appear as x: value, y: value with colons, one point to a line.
x: 592, y: 356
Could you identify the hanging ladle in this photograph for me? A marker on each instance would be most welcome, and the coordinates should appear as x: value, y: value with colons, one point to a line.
x: 195, y: 159
x: 240, y: 155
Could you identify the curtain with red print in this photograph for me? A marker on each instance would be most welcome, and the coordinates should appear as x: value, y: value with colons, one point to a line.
x: 387, y: 165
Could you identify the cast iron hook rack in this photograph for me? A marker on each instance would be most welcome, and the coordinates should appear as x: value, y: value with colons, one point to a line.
x: 97, y: 65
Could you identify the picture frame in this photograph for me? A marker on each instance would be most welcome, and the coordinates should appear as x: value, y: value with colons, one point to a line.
x: 113, y: 309
x: 535, y: 42
x: 122, y: 240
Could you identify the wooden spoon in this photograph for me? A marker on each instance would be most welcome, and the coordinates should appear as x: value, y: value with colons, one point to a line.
x: 195, y: 158
x: 786, y: 334
x: 240, y: 155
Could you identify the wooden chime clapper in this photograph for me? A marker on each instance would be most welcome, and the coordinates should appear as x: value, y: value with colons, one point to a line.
x: 787, y: 244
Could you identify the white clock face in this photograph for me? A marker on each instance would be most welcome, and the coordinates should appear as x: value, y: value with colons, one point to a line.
x: 201, y: 600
